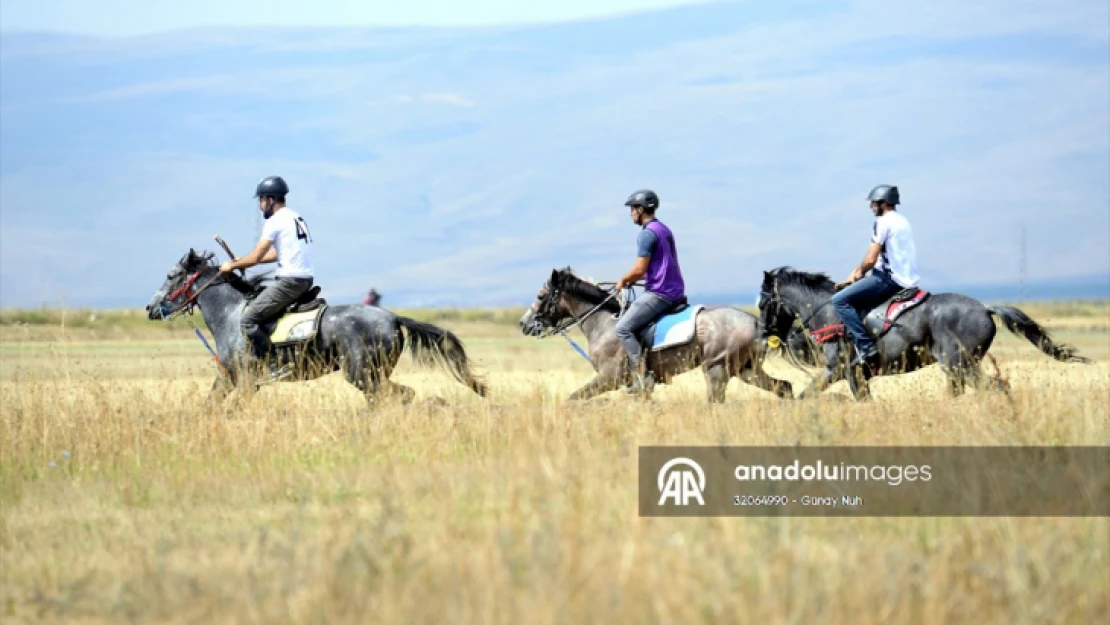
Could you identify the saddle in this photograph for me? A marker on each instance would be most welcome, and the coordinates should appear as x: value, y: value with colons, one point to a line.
x: 299, y: 321
x: 880, y: 319
x: 674, y: 327
x: 307, y: 301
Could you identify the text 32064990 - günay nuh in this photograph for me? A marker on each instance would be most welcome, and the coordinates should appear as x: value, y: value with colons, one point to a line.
x: 804, y: 500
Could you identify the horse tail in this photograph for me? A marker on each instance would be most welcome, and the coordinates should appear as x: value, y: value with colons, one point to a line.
x: 1019, y: 323
x: 432, y: 345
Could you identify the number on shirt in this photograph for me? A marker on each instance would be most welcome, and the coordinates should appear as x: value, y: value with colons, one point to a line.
x: 302, y: 230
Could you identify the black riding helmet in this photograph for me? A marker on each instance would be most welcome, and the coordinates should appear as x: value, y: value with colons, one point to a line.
x: 272, y: 186
x: 884, y: 193
x: 645, y: 198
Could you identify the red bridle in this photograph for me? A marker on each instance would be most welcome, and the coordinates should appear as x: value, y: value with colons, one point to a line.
x: 191, y: 300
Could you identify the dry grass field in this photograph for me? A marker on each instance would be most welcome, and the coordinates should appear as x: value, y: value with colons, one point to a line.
x: 122, y: 499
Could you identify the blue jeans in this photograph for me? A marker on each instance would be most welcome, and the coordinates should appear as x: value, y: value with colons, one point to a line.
x: 267, y: 306
x: 859, y: 298
x: 647, y: 308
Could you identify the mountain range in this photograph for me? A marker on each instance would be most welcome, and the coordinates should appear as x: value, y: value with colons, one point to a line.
x: 459, y: 166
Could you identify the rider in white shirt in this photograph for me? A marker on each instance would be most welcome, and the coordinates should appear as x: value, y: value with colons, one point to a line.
x: 892, y: 262
x: 286, y: 240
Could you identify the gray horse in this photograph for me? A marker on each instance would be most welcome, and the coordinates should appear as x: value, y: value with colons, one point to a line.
x: 946, y: 328
x: 724, y: 344
x: 365, y: 341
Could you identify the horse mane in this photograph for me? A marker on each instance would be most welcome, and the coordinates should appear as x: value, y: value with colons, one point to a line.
x: 206, y: 262
x: 586, y: 291
x: 246, y: 286
x: 788, y: 276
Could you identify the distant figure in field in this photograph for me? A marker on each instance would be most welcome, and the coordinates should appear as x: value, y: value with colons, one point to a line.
x: 373, y: 298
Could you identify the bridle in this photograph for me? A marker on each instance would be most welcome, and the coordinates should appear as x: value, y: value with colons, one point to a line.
x: 553, y: 296
x: 190, y: 301
x: 550, y: 300
x: 781, y: 306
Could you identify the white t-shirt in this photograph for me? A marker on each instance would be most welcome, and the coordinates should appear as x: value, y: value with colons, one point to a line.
x: 288, y: 232
x: 898, y: 258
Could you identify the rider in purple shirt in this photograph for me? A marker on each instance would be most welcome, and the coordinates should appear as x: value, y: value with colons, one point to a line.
x: 657, y: 264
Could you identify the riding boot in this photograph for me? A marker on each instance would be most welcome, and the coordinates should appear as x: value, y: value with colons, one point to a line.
x: 642, y: 381
x: 867, y: 363
x: 867, y: 357
x: 263, y: 358
x: 275, y: 372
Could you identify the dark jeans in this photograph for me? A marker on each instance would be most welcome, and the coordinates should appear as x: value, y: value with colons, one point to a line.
x: 647, y: 308
x: 859, y: 298
x: 266, y: 306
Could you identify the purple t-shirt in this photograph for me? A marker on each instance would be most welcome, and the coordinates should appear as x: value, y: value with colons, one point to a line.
x: 663, y: 277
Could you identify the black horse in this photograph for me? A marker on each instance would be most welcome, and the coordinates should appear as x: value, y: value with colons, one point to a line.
x: 946, y: 328
x: 365, y: 341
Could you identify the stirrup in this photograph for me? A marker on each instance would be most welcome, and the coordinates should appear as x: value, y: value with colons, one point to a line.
x: 642, y: 383
x: 869, y: 359
x: 275, y: 374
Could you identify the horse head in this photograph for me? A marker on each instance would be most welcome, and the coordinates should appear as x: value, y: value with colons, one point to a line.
x: 775, y: 318
x: 548, y: 309
x: 181, y: 284
x: 785, y: 295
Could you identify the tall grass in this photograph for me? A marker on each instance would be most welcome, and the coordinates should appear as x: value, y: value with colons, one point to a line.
x: 124, y: 498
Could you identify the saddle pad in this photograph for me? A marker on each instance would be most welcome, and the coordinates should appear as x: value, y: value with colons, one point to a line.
x: 296, y: 327
x: 898, y: 307
x: 882, y: 317
x: 676, y: 329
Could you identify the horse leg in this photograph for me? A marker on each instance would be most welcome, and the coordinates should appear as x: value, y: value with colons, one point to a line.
x: 221, y: 388
x: 363, y: 372
x: 755, y: 375
x: 974, y: 376
x: 823, y: 380
x: 407, y: 394
x: 997, y: 382
x: 860, y: 384
x: 829, y: 373
x: 603, y: 382
x: 952, y: 360
x: 716, y: 382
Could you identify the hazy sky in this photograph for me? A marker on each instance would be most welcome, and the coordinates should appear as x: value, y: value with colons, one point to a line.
x: 428, y: 161
x: 136, y: 17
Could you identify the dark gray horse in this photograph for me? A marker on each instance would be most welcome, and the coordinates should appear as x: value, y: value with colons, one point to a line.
x: 724, y: 345
x: 946, y: 328
x: 366, y: 342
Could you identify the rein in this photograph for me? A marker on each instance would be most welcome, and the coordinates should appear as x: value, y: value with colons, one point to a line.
x: 191, y: 301
x: 811, y: 340
x: 187, y: 307
x: 561, y: 328
x: 777, y: 299
x: 567, y: 325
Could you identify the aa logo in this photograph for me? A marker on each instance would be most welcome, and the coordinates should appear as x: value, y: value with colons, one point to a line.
x: 681, y: 480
